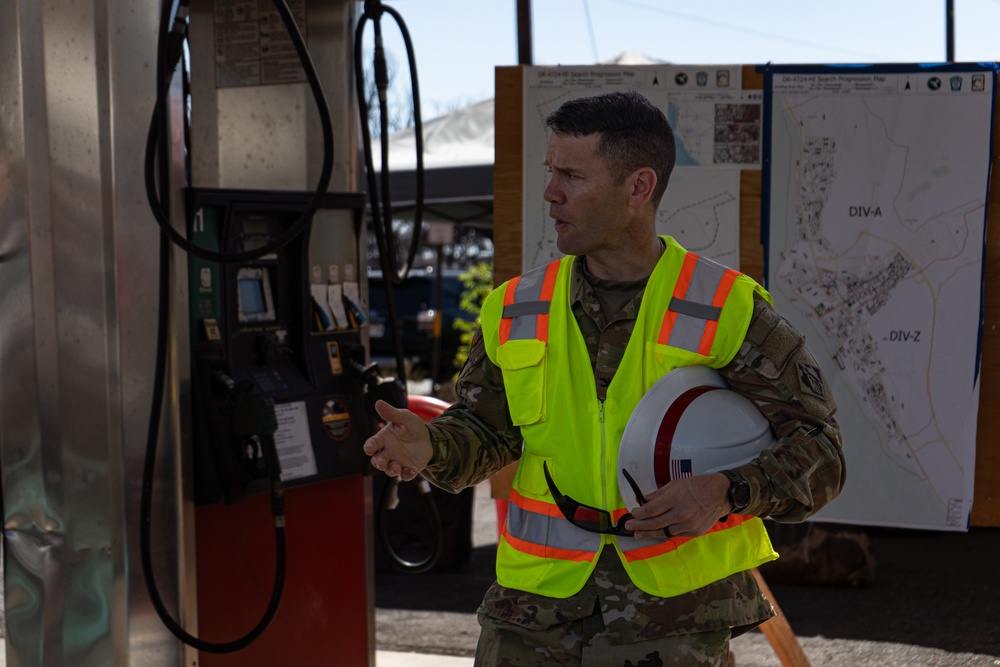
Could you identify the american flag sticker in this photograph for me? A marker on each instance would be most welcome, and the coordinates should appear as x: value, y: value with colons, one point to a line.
x: 680, y: 468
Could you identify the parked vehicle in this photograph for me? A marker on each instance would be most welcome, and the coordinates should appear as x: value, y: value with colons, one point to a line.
x: 415, y: 311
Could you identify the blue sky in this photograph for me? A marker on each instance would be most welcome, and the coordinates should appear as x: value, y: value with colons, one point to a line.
x: 458, y: 43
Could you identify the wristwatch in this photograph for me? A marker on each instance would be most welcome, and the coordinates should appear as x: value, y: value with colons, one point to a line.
x: 739, y: 491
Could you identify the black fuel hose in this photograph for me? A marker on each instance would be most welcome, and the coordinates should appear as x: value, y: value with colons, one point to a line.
x: 388, y: 503
x: 172, y: 34
x: 381, y: 206
x: 171, y: 45
x: 381, y: 199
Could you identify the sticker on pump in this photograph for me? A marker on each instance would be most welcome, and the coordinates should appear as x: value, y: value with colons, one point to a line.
x: 292, y: 441
x: 336, y: 419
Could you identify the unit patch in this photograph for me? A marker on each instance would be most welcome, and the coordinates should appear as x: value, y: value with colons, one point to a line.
x: 811, y: 380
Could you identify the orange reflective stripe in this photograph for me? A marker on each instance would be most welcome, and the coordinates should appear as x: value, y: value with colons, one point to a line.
x: 548, y: 289
x: 680, y: 291
x: 705, y: 348
x: 666, y: 546
x: 551, y: 509
x: 653, y: 550
x: 684, y: 278
x: 618, y: 514
x: 508, y: 298
x: 669, y: 319
x: 719, y: 300
x: 536, y: 506
x: 542, y: 551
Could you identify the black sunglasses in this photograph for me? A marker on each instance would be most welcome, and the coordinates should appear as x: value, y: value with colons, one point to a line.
x: 592, y: 519
x: 639, y: 498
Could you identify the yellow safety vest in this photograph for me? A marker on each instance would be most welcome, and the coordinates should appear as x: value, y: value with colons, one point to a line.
x: 694, y: 311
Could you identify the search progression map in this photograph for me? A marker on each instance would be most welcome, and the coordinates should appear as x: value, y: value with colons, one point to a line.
x: 876, y: 193
x: 717, y: 128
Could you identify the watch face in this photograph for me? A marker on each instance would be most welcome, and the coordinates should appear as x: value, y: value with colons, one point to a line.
x: 739, y: 494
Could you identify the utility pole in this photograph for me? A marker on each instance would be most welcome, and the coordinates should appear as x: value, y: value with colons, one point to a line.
x: 949, y: 30
x: 524, y: 32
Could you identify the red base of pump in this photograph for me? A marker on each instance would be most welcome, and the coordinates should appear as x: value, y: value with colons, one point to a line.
x: 327, y: 612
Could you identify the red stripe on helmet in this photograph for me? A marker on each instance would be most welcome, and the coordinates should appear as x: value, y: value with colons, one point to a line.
x: 665, y: 433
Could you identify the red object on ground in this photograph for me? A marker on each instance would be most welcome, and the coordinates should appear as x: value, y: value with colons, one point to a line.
x: 426, y: 407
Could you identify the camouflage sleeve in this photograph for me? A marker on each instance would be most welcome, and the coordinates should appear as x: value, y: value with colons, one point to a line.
x: 474, y: 438
x: 806, y: 469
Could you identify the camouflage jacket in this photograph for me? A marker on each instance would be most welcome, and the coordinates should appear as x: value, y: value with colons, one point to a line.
x: 475, y: 438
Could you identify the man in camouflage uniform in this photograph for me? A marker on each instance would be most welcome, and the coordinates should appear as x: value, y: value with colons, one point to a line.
x: 610, y: 621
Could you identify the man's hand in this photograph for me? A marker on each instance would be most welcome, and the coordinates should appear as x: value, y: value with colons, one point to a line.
x: 686, y: 507
x: 402, y: 448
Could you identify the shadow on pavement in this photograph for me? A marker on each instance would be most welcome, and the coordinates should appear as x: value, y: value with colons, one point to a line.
x: 930, y: 589
x: 460, y: 591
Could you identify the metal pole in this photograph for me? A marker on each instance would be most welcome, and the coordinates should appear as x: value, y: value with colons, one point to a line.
x: 524, y: 32
x: 438, y: 319
x: 950, y: 30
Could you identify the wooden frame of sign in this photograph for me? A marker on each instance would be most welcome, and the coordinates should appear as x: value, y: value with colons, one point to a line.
x: 508, y: 192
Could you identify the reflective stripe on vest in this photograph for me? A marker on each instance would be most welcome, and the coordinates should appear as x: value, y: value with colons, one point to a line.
x: 539, y: 528
x: 526, y: 303
x: 635, y: 550
x: 692, y: 318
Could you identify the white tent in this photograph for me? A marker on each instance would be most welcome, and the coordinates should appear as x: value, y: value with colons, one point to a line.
x: 462, y: 138
x: 458, y: 166
x: 458, y: 155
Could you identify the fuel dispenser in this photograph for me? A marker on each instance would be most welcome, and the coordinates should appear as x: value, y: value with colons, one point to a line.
x: 281, y: 395
x: 277, y: 392
x: 271, y: 342
x: 279, y: 378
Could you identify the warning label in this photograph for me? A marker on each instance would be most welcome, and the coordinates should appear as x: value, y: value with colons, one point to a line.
x: 252, y: 45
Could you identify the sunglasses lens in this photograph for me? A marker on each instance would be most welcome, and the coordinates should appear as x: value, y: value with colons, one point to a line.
x: 590, y: 519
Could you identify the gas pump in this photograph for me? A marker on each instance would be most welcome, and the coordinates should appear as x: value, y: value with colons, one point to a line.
x: 280, y: 392
x: 278, y: 389
x: 270, y: 344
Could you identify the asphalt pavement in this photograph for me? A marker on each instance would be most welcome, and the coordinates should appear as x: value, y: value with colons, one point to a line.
x: 934, y: 601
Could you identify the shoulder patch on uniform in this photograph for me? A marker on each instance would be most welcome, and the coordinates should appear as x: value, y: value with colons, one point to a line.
x: 811, y: 379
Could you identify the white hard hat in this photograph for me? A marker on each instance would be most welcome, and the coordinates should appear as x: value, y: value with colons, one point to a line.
x: 689, y: 423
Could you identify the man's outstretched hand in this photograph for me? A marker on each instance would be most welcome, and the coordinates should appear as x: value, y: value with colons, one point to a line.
x: 401, y: 448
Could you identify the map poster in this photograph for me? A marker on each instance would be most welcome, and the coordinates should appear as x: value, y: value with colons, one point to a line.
x: 875, y: 190
x: 717, y: 127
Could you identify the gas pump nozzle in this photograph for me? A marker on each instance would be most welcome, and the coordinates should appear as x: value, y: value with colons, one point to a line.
x: 255, y: 420
x: 230, y: 385
x: 389, y: 389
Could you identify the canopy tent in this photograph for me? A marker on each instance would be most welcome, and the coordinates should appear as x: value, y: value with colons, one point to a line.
x: 458, y: 165
x: 458, y: 160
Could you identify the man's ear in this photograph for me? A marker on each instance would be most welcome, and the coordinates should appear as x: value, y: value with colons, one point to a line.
x: 643, y: 182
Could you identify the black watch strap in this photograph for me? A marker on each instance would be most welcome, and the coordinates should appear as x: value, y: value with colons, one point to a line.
x: 739, y: 491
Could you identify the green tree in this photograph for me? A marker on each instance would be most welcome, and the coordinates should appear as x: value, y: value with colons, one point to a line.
x: 478, y: 283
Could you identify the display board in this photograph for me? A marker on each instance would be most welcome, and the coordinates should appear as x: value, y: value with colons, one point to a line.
x: 512, y: 217
x: 876, y: 179
x: 718, y: 131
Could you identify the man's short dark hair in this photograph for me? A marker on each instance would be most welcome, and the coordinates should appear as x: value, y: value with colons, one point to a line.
x: 633, y: 134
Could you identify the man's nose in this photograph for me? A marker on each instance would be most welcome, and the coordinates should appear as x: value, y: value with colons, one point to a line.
x: 552, y: 193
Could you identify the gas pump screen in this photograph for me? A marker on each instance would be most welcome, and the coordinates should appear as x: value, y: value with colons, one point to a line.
x: 256, y: 304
